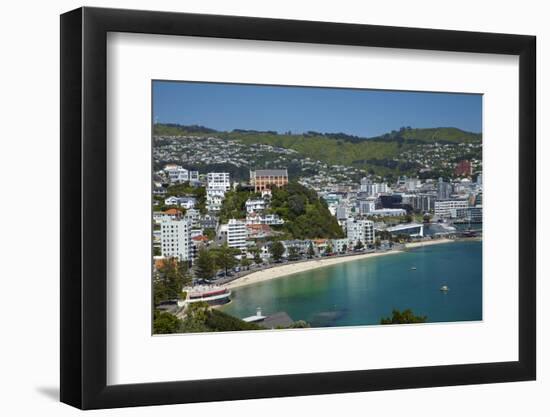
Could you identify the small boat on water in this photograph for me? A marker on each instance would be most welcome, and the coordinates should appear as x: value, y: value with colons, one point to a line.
x: 444, y: 288
x: 413, y: 268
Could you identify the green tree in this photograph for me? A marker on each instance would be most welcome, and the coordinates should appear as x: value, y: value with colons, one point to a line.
x: 310, y: 250
x: 171, y: 277
x: 210, y: 233
x: 404, y: 317
x: 245, y: 263
x: 205, y: 265
x: 359, y: 245
x: 225, y: 257
x: 255, y: 250
x: 166, y: 323
x: 377, y: 243
x: 276, y: 250
x: 293, y: 253
x: 329, y: 249
x: 344, y: 248
x: 306, y: 215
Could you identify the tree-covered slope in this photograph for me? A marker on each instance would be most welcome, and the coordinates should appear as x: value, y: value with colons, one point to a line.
x: 306, y: 215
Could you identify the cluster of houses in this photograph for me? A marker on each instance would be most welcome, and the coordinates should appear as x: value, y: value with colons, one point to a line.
x: 362, y: 211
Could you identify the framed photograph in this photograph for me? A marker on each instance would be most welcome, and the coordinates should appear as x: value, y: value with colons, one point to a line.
x: 261, y: 208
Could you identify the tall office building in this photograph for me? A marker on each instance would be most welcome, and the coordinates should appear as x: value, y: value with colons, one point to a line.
x: 444, y: 190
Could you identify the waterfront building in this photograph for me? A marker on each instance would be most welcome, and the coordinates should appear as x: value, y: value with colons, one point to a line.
x: 301, y: 246
x: 411, y: 229
x: 340, y: 245
x: 448, y: 208
x: 471, y: 214
x: 359, y: 230
x: 262, y: 179
x: 176, y: 239
x: 236, y: 234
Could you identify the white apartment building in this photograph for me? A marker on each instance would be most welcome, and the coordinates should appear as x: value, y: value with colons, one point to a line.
x: 175, y: 237
x: 338, y: 245
x: 236, y: 234
x: 448, y: 208
x: 360, y: 231
x: 218, y: 183
x: 253, y: 205
x: 218, y: 180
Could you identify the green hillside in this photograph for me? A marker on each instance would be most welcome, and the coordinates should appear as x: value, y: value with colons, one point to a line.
x: 380, y: 154
x: 306, y: 215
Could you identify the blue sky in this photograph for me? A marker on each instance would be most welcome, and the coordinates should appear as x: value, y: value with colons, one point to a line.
x: 299, y: 109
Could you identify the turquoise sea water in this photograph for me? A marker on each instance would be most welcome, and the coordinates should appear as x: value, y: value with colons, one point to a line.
x: 361, y: 292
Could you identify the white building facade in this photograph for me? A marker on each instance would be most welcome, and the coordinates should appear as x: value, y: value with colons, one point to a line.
x: 255, y: 205
x: 359, y: 230
x: 446, y: 209
x: 175, y: 236
x: 236, y: 234
x: 373, y: 189
x: 218, y: 183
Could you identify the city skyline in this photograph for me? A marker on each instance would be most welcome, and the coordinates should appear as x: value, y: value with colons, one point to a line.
x: 359, y: 112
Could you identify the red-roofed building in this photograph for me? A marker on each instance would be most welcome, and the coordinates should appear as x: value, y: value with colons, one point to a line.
x: 463, y: 169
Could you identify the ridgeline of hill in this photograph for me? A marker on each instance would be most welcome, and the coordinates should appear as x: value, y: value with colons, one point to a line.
x: 376, y: 153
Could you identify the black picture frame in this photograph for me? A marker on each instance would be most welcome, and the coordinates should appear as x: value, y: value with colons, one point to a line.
x: 84, y: 207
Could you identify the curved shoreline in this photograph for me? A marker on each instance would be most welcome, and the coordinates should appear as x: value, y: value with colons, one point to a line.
x: 294, y: 268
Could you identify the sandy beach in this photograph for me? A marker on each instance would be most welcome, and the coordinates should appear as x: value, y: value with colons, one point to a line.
x: 427, y: 243
x: 293, y: 268
x: 288, y: 269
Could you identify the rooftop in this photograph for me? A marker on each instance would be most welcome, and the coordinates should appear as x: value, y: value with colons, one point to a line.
x: 270, y: 172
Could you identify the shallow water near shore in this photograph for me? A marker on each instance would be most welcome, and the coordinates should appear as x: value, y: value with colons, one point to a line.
x: 362, y: 292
